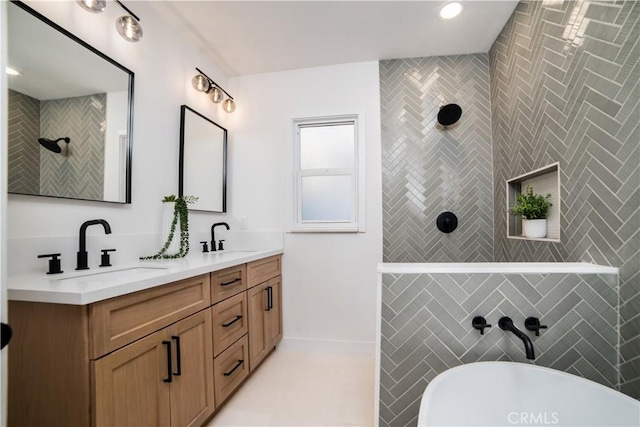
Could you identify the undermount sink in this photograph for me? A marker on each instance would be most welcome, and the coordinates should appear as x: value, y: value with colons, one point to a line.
x: 116, y: 274
x: 232, y: 252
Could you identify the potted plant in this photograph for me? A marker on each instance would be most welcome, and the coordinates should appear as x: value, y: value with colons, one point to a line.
x: 176, y: 212
x: 534, y: 209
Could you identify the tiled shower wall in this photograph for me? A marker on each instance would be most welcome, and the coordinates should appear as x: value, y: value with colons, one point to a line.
x: 24, y: 151
x: 427, y: 169
x: 426, y: 329
x: 78, y: 172
x: 564, y: 87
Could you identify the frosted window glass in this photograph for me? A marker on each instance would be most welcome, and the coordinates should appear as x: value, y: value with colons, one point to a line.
x: 327, y: 198
x: 327, y: 147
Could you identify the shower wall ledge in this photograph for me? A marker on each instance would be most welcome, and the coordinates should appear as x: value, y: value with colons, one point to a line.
x: 496, y: 267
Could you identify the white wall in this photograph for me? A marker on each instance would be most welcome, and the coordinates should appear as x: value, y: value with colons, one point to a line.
x: 163, y: 64
x: 329, y: 279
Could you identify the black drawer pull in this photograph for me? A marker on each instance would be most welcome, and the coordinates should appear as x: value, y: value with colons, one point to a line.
x: 226, y: 325
x: 240, y: 362
x: 169, y: 369
x: 179, y: 371
x: 231, y: 282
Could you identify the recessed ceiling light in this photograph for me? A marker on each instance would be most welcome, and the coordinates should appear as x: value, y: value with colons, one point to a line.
x: 450, y: 10
x: 13, y: 72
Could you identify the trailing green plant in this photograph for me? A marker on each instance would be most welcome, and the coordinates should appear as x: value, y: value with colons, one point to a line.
x: 531, y: 206
x: 180, y: 215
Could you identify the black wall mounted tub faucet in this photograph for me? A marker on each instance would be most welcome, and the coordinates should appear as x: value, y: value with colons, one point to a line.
x: 213, y: 235
x: 82, y: 250
x: 506, y: 324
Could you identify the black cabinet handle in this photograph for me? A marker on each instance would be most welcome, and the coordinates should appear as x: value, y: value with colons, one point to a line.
x: 226, y: 325
x: 169, y: 369
x: 240, y: 362
x: 270, y: 297
x: 177, y: 340
x: 267, y: 291
x: 231, y: 282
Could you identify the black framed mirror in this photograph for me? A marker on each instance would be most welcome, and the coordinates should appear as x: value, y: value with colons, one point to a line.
x: 70, y: 113
x: 203, y: 161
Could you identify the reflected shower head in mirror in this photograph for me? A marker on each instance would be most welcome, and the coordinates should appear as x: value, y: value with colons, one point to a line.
x: 52, y: 145
x: 449, y: 114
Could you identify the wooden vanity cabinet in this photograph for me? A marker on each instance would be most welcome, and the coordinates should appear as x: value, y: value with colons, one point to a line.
x: 164, y: 356
x: 104, y: 363
x: 265, y: 308
x: 162, y: 379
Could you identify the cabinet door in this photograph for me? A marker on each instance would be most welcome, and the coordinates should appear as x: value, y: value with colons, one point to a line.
x: 258, y: 344
x: 192, y: 399
x: 128, y: 384
x: 274, y: 315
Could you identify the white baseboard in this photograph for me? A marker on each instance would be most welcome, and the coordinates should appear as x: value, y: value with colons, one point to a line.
x: 328, y: 346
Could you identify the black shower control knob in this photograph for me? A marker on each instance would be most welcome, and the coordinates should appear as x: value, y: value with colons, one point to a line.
x: 480, y: 323
x: 533, y: 324
x: 447, y: 222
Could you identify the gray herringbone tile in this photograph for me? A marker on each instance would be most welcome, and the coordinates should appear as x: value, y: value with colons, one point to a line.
x: 428, y: 170
x: 23, y: 149
x: 581, y: 336
x: 558, y: 95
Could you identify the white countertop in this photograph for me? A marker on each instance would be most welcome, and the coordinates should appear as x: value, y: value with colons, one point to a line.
x: 496, y: 267
x: 97, y: 284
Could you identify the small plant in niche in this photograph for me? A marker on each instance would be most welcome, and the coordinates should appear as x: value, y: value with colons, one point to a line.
x: 181, y: 216
x: 530, y: 205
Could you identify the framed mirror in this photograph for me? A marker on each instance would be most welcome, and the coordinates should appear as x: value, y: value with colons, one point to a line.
x: 203, y: 161
x: 70, y: 114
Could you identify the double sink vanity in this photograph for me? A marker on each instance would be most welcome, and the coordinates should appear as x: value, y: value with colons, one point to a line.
x: 151, y: 343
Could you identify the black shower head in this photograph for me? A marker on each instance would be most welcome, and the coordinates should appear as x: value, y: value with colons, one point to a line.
x: 52, y: 145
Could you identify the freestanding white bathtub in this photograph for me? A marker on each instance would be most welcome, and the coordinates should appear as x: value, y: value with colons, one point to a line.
x: 518, y: 394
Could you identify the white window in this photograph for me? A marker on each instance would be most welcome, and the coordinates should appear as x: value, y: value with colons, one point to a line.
x: 327, y: 175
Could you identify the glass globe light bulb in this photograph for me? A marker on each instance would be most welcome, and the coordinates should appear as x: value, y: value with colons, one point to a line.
x: 216, y: 95
x: 228, y: 105
x: 93, y: 6
x: 129, y: 28
x: 200, y: 83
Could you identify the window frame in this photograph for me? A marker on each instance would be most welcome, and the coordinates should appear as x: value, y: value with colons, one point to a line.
x: 356, y: 223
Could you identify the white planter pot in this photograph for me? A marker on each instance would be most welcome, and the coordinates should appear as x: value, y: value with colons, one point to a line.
x: 534, y: 228
x: 167, y: 217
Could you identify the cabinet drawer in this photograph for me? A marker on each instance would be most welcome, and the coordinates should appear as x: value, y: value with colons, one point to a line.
x: 230, y: 368
x: 264, y: 269
x: 230, y: 322
x: 228, y: 282
x: 119, y: 321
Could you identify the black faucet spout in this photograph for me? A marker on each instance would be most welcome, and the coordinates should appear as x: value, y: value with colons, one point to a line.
x: 213, y: 234
x: 506, y: 324
x: 82, y: 247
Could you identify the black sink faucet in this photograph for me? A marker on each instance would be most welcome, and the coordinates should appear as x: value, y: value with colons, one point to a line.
x: 82, y: 251
x: 506, y: 324
x: 213, y: 235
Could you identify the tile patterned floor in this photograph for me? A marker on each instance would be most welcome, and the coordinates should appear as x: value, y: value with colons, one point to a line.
x: 304, y: 389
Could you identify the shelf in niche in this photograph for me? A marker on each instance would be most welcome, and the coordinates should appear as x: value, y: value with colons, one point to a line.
x: 544, y: 181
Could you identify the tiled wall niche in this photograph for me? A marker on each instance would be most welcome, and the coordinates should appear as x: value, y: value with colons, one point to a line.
x: 543, y: 181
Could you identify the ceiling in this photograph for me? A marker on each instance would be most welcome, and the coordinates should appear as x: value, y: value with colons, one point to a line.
x: 251, y: 37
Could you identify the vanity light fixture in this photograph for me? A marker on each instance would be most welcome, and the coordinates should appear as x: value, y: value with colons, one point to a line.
x: 450, y: 10
x: 128, y: 26
x: 203, y: 83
